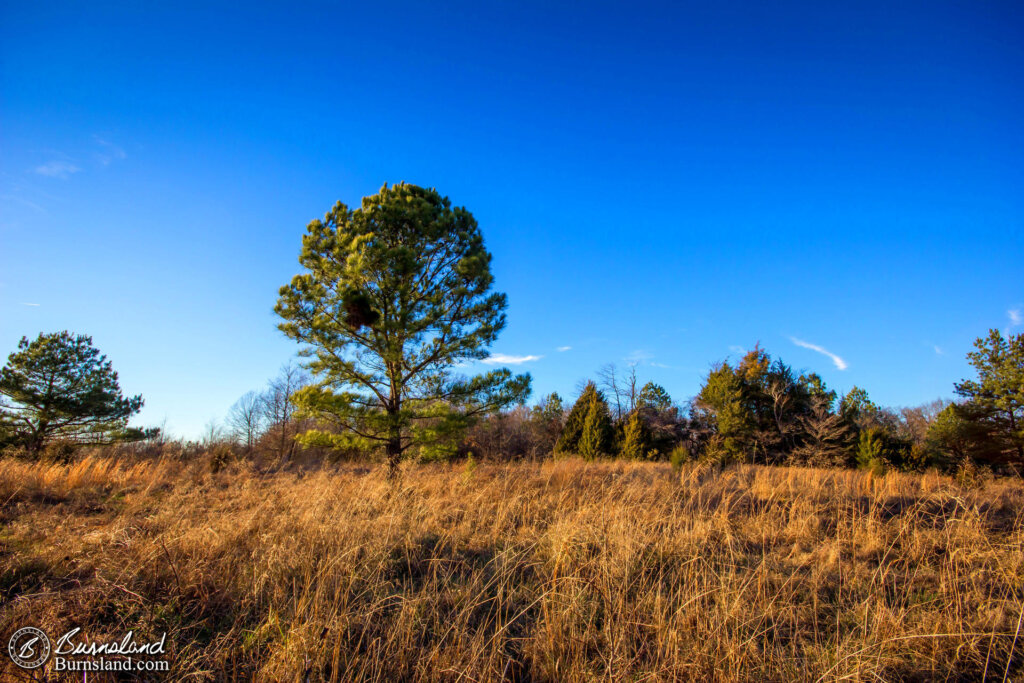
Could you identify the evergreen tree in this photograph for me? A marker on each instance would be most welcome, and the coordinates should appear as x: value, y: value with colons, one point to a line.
x: 779, y: 403
x: 546, y: 418
x: 856, y: 407
x: 396, y: 296
x: 817, y: 392
x: 569, y: 440
x: 953, y: 436
x: 654, y: 397
x: 994, y: 403
x: 871, y: 450
x: 596, y: 439
x: 721, y: 405
x: 760, y: 411
x: 826, y: 437
x: 879, y: 449
x: 635, y: 439
x: 550, y: 410
x: 59, y: 386
x: 661, y: 421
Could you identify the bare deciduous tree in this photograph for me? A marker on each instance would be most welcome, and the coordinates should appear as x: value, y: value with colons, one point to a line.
x: 278, y: 408
x: 621, y: 390
x: 213, y: 433
x: 247, y: 418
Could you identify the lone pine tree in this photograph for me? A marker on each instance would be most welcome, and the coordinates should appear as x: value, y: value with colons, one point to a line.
x: 396, y: 296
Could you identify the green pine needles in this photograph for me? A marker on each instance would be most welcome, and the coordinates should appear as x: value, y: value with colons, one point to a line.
x: 588, y: 429
x: 60, y: 387
x: 396, y: 297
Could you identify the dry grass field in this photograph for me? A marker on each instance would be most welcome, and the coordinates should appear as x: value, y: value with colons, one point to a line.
x: 562, y: 571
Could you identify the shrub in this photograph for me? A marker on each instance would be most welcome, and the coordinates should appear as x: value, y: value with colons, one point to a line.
x: 220, y: 456
x: 679, y: 455
x: 59, y: 452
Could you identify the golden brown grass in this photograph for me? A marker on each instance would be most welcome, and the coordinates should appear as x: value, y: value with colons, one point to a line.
x: 562, y: 571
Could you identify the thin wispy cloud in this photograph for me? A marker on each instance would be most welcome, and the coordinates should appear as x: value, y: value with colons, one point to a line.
x: 57, y: 169
x: 110, y: 152
x: 505, y: 359
x: 737, y: 349
x: 660, y: 365
x: 839, y: 362
x: 27, y: 304
x: 21, y: 200
x: 564, y: 348
x: 638, y: 356
x: 939, y: 351
x: 1016, y: 316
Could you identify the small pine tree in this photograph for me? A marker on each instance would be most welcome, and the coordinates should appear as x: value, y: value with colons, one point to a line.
x: 596, y: 439
x: 634, y: 438
x: 569, y: 439
x: 679, y: 455
x: 871, y: 451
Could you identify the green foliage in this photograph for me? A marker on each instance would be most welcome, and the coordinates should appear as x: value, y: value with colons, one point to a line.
x: 721, y: 403
x: 871, y: 451
x: 918, y: 457
x: 716, y: 451
x: 396, y: 296
x: 757, y: 407
x: 550, y: 409
x: 468, y: 469
x: 60, y: 387
x: 994, y: 402
x: 547, y: 417
x: 856, y: 407
x: 654, y: 397
x: 952, y: 435
x: 878, y: 450
x: 679, y: 455
x: 816, y: 390
x: 569, y: 440
x: 596, y: 439
x: 635, y: 439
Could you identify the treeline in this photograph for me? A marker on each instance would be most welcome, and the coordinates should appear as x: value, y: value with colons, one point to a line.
x: 757, y: 410
x: 754, y: 411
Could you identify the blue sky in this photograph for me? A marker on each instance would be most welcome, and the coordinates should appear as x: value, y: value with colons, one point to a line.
x: 659, y: 184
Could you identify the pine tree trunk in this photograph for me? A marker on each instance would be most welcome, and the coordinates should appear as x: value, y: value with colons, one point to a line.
x: 35, y: 444
x: 1013, y: 437
x: 394, y: 455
